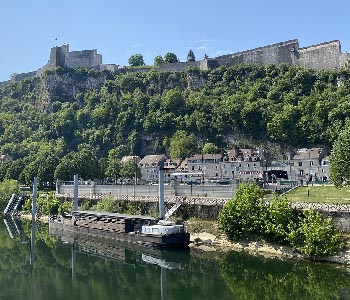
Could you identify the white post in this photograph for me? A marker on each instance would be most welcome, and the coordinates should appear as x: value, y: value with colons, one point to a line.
x: 75, y: 205
x: 35, y: 188
x: 32, y: 235
x: 161, y: 194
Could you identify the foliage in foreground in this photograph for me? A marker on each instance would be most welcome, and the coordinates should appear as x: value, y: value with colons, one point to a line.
x: 243, y: 215
x: 46, y: 204
x: 247, y: 215
x: 316, y: 236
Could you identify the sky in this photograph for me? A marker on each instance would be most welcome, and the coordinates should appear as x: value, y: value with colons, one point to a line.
x: 119, y: 29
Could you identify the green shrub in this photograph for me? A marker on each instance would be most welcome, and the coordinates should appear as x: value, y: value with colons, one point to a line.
x: 243, y: 216
x: 46, y: 204
x: 279, y: 219
x: 7, y: 188
x: 50, y: 204
x: 247, y: 215
x: 66, y: 207
x: 27, y: 206
x: 316, y: 236
x: 84, y: 205
x: 107, y: 204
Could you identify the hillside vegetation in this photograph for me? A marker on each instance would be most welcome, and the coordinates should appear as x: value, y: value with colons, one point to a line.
x: 69, y: 120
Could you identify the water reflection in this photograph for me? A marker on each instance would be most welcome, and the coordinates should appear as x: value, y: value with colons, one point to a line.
x: 124, y: 252
x: 81, y: 268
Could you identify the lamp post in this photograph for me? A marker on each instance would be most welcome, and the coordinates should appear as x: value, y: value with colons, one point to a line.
x: 202, y: 167
x: 135, y: 177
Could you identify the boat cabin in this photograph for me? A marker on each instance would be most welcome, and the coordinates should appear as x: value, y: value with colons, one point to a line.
x: 121, y: 223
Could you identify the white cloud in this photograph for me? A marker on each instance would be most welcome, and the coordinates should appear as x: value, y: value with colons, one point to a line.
x: 202, y: 48
x: 204, y: 41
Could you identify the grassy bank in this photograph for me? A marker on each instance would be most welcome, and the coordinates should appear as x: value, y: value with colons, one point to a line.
x: 319, y: 193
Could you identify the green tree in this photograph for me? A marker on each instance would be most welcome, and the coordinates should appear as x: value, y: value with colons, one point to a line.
x: 136, y: 60
x: 280, y: 219
x: 182, y: 144
x: 190, y: 56
x: 316, y: 236
x: 113, y: 165
x: 170, y: 58
x: 340, y: 159
x: 158, y: 60
x: 210, y: 148
x: 243, y: 216
x: 174, y: 101
x: 84, y: 163
x: 130, y: 170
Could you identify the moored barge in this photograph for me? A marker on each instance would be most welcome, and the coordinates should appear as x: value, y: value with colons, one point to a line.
x: 137, y: 229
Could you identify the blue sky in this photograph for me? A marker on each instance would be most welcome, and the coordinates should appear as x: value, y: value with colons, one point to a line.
x: 118, y: 29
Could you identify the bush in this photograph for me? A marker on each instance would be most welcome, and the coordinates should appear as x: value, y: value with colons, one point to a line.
x: 65, y: 207
x: 247, y: 215
x: 46, y: 204
x: 7, y: 188
x: 84, y: 205
x: 107, y: 204
x: 243, y: 215
x: 280, y: 218
x: 316, y: 236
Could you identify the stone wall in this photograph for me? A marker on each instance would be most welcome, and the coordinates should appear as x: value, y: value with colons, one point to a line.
x: 178, y: 66
x: 272, y: 54
x: 327, y: 55
x: 322, y: 56
x: 83, y: 59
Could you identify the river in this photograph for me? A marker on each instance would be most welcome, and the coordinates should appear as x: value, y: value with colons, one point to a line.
x: 43, y: 266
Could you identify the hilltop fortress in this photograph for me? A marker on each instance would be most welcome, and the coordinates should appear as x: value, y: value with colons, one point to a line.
x: 326, y: 55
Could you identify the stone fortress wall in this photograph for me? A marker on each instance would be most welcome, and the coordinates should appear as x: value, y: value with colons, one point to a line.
x: 326, y: 55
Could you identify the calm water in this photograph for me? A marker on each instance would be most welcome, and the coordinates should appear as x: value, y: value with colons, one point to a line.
x: 88, y: 269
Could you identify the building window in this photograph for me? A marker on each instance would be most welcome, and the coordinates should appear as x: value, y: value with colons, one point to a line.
x: 311, y: 163
x: 301, y: 172
x: 300, y: 163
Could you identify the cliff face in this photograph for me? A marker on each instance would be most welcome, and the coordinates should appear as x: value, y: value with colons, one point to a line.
x: 64, y: 85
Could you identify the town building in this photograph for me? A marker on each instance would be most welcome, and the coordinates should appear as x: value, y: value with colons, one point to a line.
x: 310, y: 165
x: 150, y: 166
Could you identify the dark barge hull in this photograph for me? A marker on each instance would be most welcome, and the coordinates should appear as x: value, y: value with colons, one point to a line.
x: 178, y: 240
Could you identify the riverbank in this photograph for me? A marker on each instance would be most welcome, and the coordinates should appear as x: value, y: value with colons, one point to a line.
x: 206, y: 237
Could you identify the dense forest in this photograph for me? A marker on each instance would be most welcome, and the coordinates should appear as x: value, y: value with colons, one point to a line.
x: 69, y: 121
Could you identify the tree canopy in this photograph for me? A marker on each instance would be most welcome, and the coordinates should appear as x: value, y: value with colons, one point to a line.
x: 158, y: 60
x: 45, y: 120
x: 136, y: 60
x: 190, y: 56
x: 340, y: 159
x: 170, y: 57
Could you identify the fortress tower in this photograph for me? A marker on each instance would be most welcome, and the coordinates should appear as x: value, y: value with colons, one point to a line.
x: 61, y: 57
